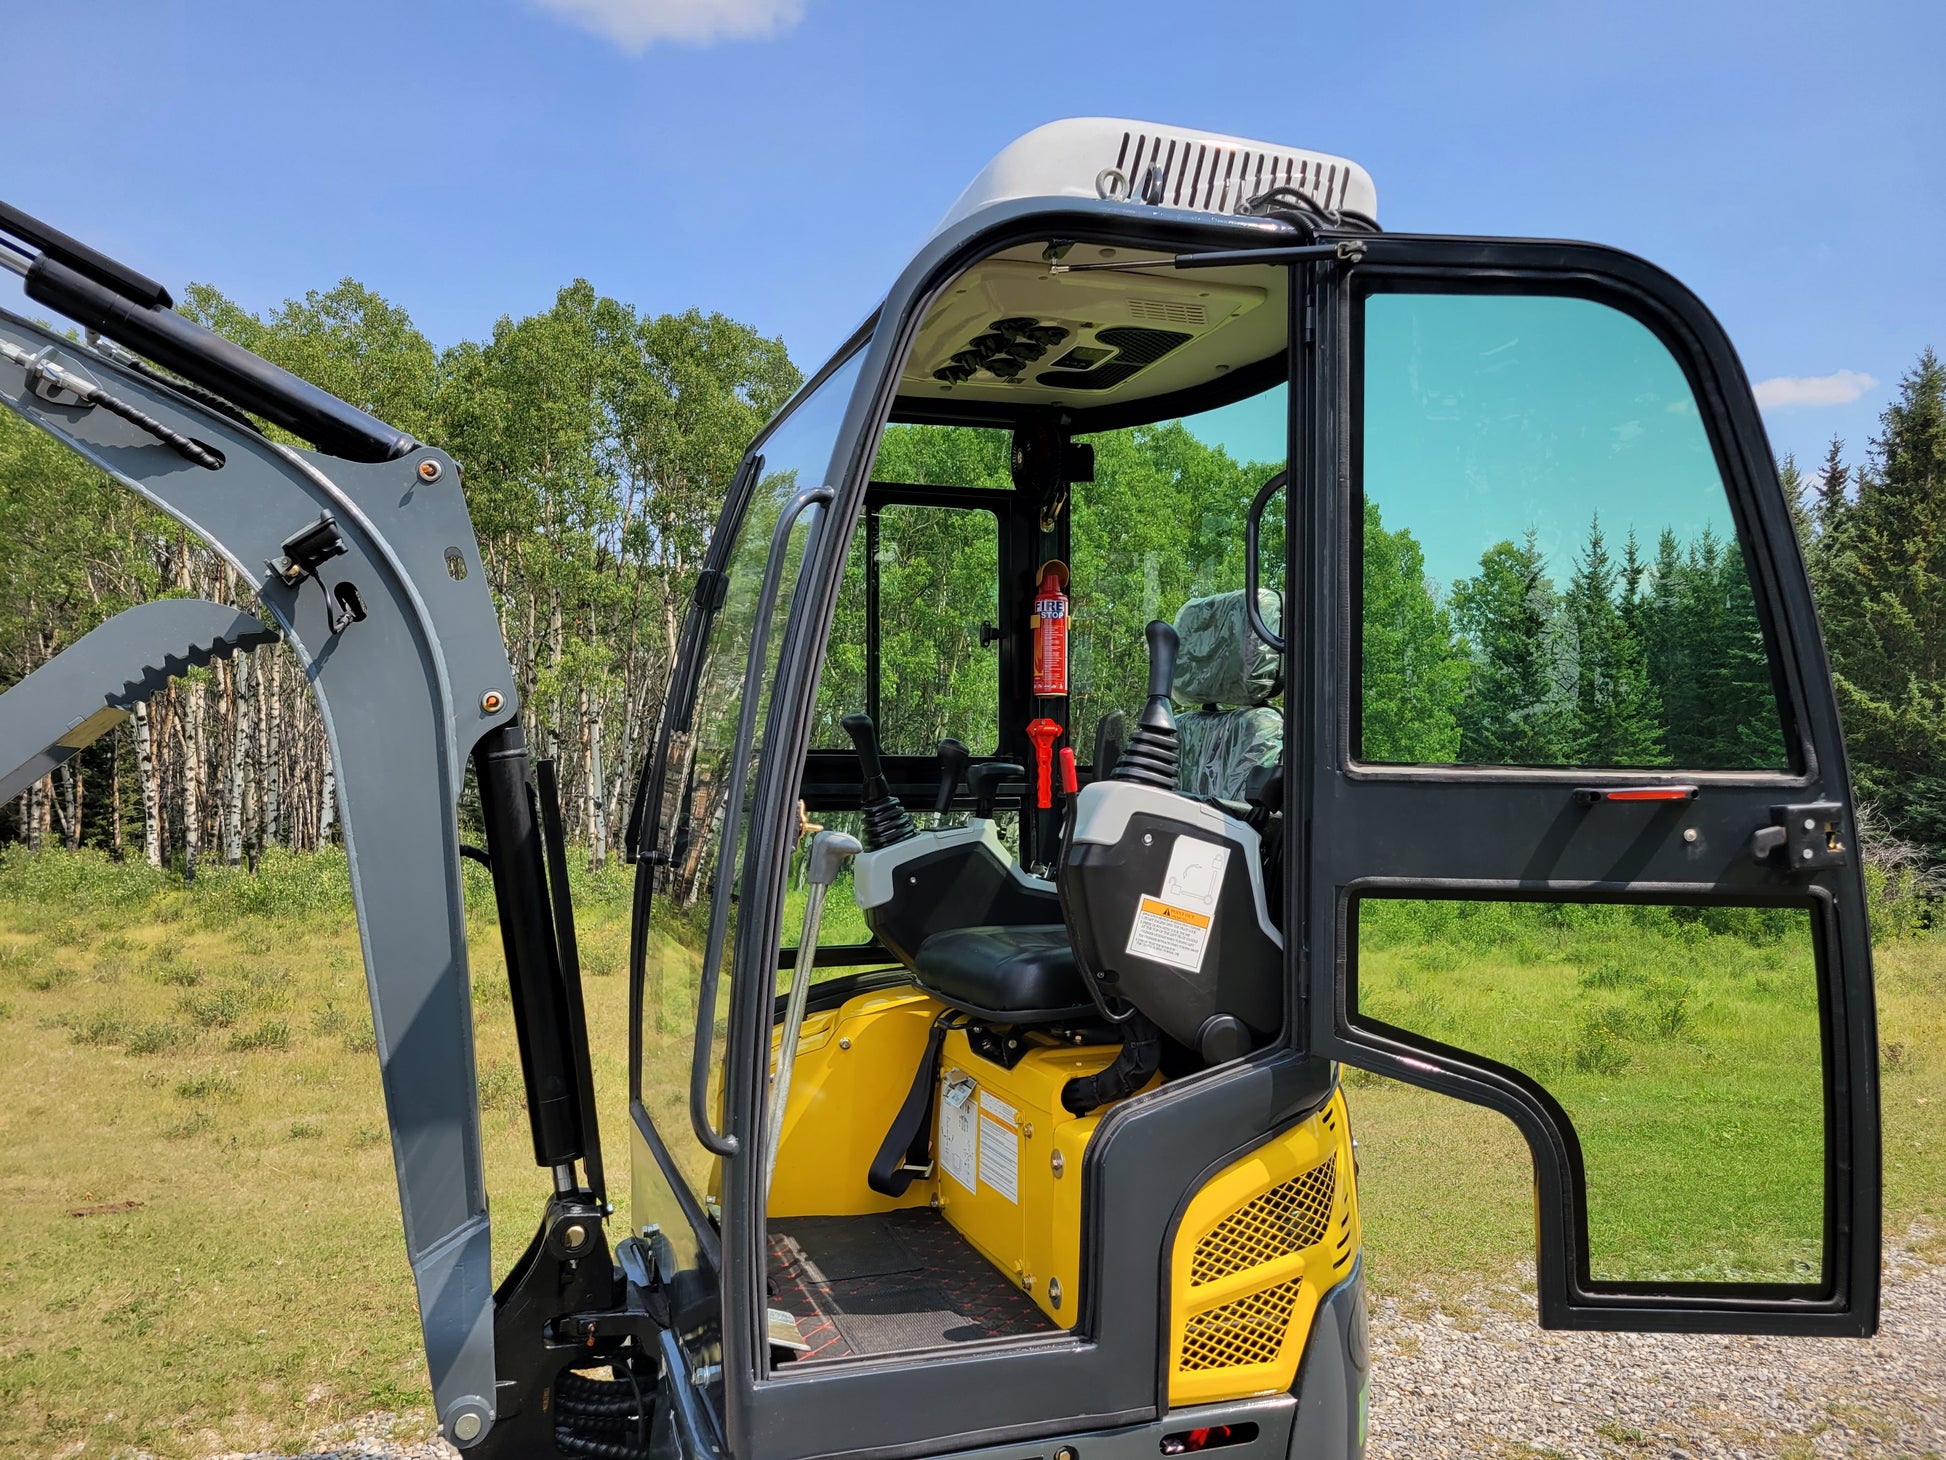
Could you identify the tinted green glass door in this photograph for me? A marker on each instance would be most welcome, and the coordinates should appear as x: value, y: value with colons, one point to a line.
x: 1581, y: 841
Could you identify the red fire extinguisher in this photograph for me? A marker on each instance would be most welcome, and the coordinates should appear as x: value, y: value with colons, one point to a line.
x: 1051, y: 630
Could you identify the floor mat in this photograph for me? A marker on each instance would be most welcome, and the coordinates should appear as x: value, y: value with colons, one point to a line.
x: 906, y: 1280
x: 838, y: 1249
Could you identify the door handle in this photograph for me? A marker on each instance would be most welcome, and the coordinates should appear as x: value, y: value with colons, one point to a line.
x: 713, y: 1140
x: 1809, y: 837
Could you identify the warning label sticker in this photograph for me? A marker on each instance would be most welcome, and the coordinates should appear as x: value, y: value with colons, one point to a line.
x: 999, y: 1148
x: 959, y: 1135
x: 1173, y: 926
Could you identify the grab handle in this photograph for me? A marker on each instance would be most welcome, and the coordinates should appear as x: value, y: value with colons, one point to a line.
x: 713, y: 1140
x: 1252, y: 531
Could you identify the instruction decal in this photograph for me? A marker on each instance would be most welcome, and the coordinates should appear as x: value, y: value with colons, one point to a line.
x: 999, y: 1147
x: 1173, y: 926
x: 959, y: 1132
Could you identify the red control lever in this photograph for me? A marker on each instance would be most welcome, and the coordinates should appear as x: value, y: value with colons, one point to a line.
x: 1044, y: 732
x: 1070, y: 778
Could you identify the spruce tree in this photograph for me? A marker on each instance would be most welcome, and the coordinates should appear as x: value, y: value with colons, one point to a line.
x: 1617, y: 717
x: 1516, y: 710
x: 1885, y: 613
x: 1832, y: 479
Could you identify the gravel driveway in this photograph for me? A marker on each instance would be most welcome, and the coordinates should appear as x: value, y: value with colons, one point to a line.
x: 1487, y: 1381
x: 1484, y: 1380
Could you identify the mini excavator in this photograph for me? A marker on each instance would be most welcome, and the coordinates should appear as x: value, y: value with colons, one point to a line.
x: 1053, y: 1161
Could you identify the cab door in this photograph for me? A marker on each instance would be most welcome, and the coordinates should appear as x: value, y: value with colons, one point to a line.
x: 1579, y: 839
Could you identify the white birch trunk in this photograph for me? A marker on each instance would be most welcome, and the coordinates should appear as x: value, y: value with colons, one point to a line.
x: 239, y: 760
x: 597, y: 815
x: 194, y: 771
x: 145, y: 773
x: 272, y: 723
x: 327, y: 799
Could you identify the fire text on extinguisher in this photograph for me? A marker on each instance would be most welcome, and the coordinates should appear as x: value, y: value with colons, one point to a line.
x: 1051, y: 630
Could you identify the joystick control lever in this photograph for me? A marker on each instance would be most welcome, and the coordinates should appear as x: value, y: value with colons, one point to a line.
x: 984, y: 781
x: 886, y: 822
x: 1154, y: 751
x: 954, y: 758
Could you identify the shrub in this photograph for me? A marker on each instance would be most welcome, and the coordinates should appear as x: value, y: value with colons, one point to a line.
x: 1601, y: 1041
x: 208, y: 1087
x: 156, y: 1037
x: 217, y: 1009
x: 105, y: 1029
x: 272, y: 1034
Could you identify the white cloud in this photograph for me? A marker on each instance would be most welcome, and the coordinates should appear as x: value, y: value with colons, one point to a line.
x: 1840, y: 388
x: 635, y: 24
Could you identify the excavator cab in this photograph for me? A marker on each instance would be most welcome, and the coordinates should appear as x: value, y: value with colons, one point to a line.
x: 1160, y: 662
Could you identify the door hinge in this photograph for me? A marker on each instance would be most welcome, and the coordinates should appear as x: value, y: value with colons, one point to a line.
x: 1803, y: 838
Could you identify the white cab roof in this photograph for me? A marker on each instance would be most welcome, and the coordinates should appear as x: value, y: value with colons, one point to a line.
x: 1205, y: 172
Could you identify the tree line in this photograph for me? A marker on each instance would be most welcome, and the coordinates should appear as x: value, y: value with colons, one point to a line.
x: 1650, y: 658
x: 596, y: 446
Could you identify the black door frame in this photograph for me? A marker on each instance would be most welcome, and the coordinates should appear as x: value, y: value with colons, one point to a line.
x: 1373, y: 830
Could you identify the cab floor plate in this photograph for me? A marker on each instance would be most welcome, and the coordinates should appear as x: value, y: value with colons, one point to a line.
x: 905, y: 1280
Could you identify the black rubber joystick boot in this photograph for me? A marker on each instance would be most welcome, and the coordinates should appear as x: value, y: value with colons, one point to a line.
x: 886, y: 823
x: 1154, y: 750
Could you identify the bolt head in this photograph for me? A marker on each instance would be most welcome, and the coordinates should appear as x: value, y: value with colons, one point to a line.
x: 491, y: 701
x: 1689, y: 834
x: 575, y: 1237
x: 467, y: 1427
x: 844, y: 1044
x: 430, y: 470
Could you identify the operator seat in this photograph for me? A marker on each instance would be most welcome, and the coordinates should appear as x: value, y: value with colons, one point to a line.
x: 1224, y: 667
x: 978, y: 933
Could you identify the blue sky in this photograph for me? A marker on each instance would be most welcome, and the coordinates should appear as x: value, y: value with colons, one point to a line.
x: 779, y: 159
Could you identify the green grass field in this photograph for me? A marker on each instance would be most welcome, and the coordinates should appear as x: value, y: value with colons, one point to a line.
x: 199, y: 1238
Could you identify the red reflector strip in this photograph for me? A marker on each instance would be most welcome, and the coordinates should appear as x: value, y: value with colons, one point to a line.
x: 1591, y: 794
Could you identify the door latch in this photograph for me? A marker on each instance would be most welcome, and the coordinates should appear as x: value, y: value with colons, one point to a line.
x: 1809, y: 837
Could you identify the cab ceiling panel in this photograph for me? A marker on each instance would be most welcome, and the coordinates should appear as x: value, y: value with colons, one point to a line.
x: 1013, y: 331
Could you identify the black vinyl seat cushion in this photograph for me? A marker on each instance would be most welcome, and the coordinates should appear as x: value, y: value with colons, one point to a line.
x: 1008, y: 974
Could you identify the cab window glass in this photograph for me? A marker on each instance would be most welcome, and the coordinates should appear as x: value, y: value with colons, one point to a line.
x: 1161, y: 523
x: 1682, y: 1042
x: 1550, y: 569
x: 913, y: 642
x: 699, y: 827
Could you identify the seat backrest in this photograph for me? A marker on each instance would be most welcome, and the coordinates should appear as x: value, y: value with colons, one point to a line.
x: 1231, y: 675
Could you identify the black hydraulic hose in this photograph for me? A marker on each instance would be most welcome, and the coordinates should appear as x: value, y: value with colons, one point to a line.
x: 217, y: 364
x: 1138, y: 1059
x: 541, y: 1022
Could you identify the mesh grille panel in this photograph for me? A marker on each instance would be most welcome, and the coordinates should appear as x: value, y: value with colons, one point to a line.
x: 1140, y: 345
x: 1248, y: 1331
x: 1286, y: 1219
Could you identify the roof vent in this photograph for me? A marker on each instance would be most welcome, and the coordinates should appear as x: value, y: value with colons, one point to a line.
x: 1169, y: 311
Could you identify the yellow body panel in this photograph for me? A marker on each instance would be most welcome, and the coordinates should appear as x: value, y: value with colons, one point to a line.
x: 1022, y: 1207
x: 854, y: 1066
x: 1260, y: 1244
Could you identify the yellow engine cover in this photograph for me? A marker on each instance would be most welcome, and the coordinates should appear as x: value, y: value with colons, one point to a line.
x: 1008, y: 1157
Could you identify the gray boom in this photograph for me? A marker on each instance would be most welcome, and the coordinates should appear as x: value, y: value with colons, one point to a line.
x: 403, y: 694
